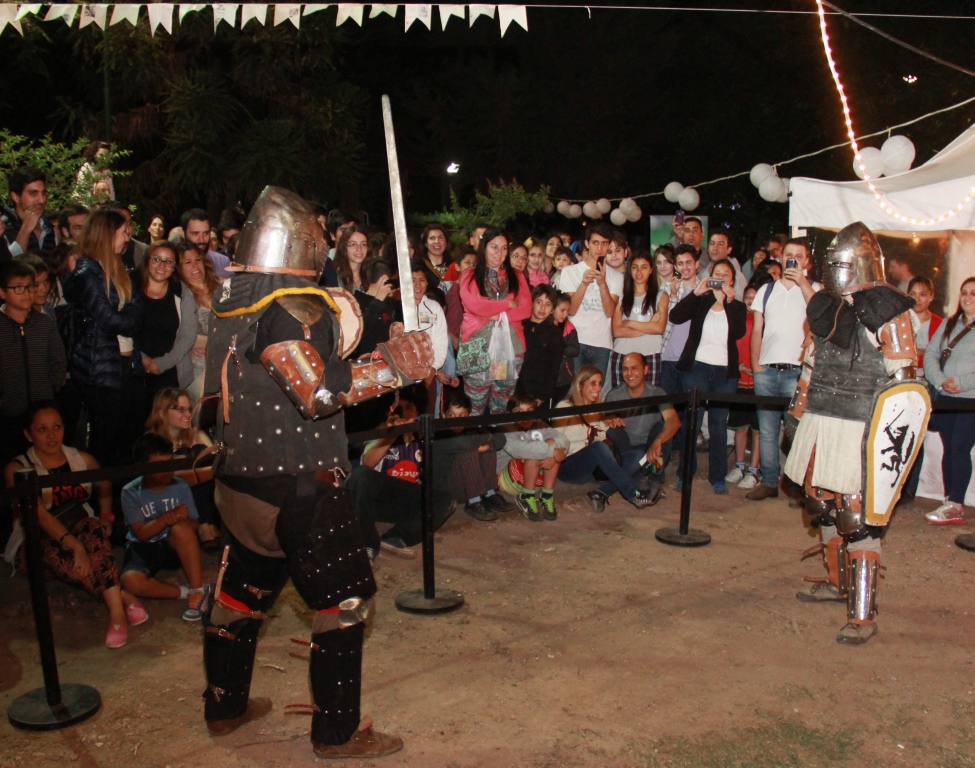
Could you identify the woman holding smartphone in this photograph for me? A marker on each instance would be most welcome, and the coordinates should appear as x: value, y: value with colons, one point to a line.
x: 709, y: 361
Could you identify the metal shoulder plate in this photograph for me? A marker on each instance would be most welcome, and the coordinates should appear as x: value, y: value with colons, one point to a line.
x: 897, y: 338
x: 306, y: 309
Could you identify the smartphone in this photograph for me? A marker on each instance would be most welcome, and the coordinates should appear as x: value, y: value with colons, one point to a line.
x: 600, y: 261
x: 715, y: 282
x: 393, y: 282
x: 791, y: 263
x: 679, y: 218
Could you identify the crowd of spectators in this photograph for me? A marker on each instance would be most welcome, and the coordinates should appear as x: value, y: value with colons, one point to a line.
x: 103, y: 339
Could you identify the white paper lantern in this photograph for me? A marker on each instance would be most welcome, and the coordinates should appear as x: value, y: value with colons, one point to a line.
x: 591, y: 210
x: 672, y: 191
x: 575, y: 211
x: 563, y: 207
x: 617, y: 217
x: 548, y: 207
x: 898, y: 154
x: 604, y: 205
x: 689, y: 199
x: 771, y: 188
x: 635, y: 213
x: 759, y: 173
x: 627, y: 204
x: 872, y: 160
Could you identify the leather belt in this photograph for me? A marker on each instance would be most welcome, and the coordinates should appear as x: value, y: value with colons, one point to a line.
x: 783, y: 366
x: 330, y: 476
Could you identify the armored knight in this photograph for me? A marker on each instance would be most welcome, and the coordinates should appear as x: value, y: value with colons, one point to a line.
x: 275, y: 357
x: 861, y: 420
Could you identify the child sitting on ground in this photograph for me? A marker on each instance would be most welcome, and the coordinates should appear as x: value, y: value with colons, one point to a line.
x: 162, y: 521
x: 466, y: 463
x: 530, y: 460
x: 544, y: 347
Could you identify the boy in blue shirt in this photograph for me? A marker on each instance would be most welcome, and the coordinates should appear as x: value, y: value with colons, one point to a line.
x: 162, y: 521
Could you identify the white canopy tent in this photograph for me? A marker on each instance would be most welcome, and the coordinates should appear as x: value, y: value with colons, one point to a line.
x: 925, y: 192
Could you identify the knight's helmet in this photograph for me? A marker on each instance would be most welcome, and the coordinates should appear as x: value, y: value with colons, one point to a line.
x: 281, y: 234
x: 853, y: 261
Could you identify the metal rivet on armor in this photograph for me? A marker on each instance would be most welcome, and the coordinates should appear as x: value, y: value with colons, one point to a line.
x: 260, y: 440
x: 258, y: 403
x: 298, y: 430
x: 277, y: 407
x: 277, y: 431
x: 280, y: 469
x: 336, y: 459
x: 316, y: 435
x: 260, y: 469
x: 301, y: 466
x: 320, y: 462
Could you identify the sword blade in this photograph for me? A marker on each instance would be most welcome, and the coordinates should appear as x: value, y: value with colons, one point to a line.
x: 411, y: 321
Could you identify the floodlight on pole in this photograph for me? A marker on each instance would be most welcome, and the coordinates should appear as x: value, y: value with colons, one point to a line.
x: 453, y: 168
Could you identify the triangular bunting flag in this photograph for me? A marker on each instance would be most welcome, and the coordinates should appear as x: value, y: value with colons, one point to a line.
x: 96, y: 14
x: 377, y: 10
x: 349, y: 11
x: 27, y: 9
x: 287, y: 12
x: 512, y: 13
x: 415, y: 12
x: 127, y: 12
x: 191, y: 8
x: 160, y: 14
x: 253, y: 11
x: 8, y: 15
x: 65, y: 12
x: 308, y: 10
x: 446, y: 11
x: 224, y: 12
x: 481, y: 10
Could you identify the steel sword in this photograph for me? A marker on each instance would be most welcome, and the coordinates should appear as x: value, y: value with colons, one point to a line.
x: 411, y: 321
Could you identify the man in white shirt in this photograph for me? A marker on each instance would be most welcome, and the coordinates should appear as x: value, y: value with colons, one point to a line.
x: 778, y: 333
x: 595, y: 291
x: 719, y: 247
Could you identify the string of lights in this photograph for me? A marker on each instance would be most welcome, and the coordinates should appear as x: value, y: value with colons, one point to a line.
x: 889, y: 209
x: 830, y: 148
x: 779, y: 11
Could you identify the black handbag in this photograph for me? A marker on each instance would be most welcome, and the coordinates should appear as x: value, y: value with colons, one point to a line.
x: 70, y: 514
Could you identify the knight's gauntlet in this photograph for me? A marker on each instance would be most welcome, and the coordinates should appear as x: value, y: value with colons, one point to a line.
x: 300, y: 371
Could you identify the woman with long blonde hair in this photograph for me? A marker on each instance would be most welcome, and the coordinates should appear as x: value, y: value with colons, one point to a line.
x: 197, y: 273
x: 107, y: 315
x: 172, y: 417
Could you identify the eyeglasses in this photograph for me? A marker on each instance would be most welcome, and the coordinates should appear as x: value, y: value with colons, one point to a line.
x: 162, y: 262
x: 19, y: 289
x: 356, y: 246
x: 180, y: 409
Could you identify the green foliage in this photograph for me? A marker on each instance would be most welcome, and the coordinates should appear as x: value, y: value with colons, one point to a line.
x: 502, y: 204
x: 61, y: 162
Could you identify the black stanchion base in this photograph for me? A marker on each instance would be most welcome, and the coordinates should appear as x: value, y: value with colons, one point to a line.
x: 966, y: 541
x: 674, y: 537
x: 444, y: 601
x: 32, y: 712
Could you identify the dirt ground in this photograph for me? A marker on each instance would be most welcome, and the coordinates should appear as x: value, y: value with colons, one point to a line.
x: 583, y: 642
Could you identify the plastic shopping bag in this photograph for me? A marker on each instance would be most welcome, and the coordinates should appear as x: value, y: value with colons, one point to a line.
x: 502, y: 351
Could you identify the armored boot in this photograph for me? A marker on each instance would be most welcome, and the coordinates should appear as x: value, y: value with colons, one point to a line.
x: 833, y: 588
x: 228, y: 657
x: 335, y: 669
x: 862, y: 598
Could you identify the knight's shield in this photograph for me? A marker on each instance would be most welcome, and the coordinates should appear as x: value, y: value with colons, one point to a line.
x: 891, y: 444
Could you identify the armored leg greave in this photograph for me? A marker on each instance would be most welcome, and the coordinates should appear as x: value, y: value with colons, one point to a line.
x: 335, y: 670
x: 862, y: 598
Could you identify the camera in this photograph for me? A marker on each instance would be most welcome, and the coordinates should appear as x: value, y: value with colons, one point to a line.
x: 791, y: 264
x: 715, y: 282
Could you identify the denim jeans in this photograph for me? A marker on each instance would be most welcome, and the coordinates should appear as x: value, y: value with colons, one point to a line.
x: 632, y: 454
x: 590, y: 355
x: 772, y: 382
x: 580, y: 467
x: 670, y: 382
x: 711, y: 378
x: 958, y: 437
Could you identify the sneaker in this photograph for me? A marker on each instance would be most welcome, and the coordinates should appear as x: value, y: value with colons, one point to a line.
x: 479, y: 511
x: 548, y: 508
x: 365, y: 742
x: 117, y: 636
x: 946, y: 514
x: 528, y: 506
x: 734, y: 476
x: 597, y: 501
x: 679, y: 486
x: 721, y: 488
x: 196, y: 604
x: 395, y: 546
x: 820, y: 592
x: 749, y: 481
x: 135, y: 614
x: 642, y: 500
x: 498, y: 503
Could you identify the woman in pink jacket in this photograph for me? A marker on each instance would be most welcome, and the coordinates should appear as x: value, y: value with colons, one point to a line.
x: 491, y: 288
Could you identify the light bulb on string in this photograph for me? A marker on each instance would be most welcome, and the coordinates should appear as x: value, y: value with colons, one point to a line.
x: 856, y: 148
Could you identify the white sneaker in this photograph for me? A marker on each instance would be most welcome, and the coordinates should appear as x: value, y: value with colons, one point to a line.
x: 749, y: 481
x: 734, y: 476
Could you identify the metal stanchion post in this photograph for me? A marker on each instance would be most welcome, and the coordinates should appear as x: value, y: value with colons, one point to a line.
x: 428, y: 600
x: 684, y: 536
x: 53, y: 706
x: 966, y: 541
